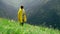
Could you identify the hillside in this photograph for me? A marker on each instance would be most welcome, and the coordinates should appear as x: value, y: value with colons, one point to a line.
x: 13, y: 27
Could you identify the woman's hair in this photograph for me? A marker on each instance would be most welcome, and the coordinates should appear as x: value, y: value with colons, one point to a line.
x: 22, y: 7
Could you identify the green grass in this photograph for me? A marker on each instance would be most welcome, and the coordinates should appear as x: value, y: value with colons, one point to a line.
x: 13, y: 27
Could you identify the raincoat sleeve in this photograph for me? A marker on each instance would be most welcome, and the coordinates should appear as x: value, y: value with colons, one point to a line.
x: 18, y: 14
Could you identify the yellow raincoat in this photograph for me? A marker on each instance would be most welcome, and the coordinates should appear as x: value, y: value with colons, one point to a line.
x: 21, y: 15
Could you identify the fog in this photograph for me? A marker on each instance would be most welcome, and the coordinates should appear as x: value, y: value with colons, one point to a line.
x: 10, y: 7
x: 39, y: 12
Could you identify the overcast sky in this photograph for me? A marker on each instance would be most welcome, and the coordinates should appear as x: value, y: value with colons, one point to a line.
x: 17, y: 3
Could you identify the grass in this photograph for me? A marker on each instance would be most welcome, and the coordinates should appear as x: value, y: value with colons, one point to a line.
x: 13, y: 27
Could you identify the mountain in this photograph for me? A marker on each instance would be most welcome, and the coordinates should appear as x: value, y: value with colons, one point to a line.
x: 47, y: 15
x: 39, y: 12
x: 7, y: 11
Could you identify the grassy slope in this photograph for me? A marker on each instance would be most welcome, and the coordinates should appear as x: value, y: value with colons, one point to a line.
x: 12, y: 27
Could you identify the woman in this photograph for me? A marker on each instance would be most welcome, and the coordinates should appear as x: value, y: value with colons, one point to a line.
x: 22, y: 15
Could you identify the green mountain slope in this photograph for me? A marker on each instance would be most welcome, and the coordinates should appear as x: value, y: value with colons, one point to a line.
x: 13, y: 27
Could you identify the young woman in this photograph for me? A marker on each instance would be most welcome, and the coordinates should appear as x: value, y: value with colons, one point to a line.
x: 22, y: 15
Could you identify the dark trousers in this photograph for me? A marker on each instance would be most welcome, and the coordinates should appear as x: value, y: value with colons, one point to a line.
x: 22, y: 24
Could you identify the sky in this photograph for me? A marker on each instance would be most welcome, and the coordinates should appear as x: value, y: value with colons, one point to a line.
x: 17, y: 3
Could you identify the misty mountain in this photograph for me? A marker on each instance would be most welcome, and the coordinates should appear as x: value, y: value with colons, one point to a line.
x: 9, y: 8
x: 48, y: 14
x: 39, y: 12
x: 6, y: 11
